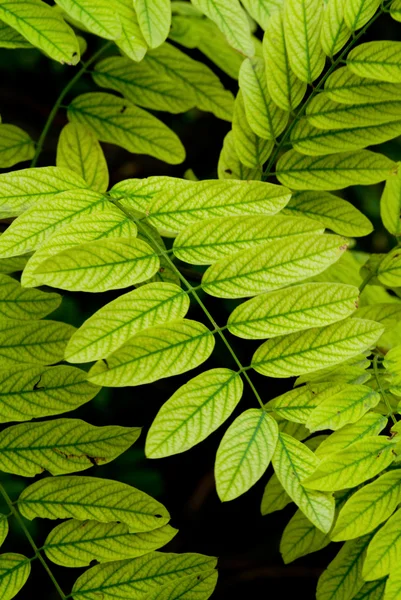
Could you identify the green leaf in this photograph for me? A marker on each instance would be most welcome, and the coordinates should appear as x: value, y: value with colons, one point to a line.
x: 393, y: 586
x: 297, y: 404
x: 274, y: 497
x: 141, y: 84
x: 113, y: 324
x: 20, y: 190
x: 292, y: 462
x: 333, y: 172
x: 82, y: 497
x: 371, y: 591
x: 230, y: 167
x: 139, y: 576
x: 14, y: 572
x: 193, y: 587
x: 329, y: 210
x: 154, y: 18
x: 345, y: 87
x: 342, y: 405
x: 195, y: 410
x: 358, y: 12
x: 97, y: 16
x: 300, y: 537
x: 395, y: 10
x: 390, y: 205
x: 61, y: 446
x: 79, y: 151
x: 353, y: 465
x: 3, y: 528
x: 369, y: 506
x: 285, y: 89
x: 265, y: 118
x: 302, y: 24
x: 77, y: 543
x: 262, y: 10
x: 32, y: 392
x: 206, y: 243
x: 244, y: 453
x: 15, y: 145
x: 377, y: 60
x: 131, y: 41
x: 10, y: 38
x: 100, y: 266
x: 22, y: 303
x: 231, y: 19
x: 182, y: 203
x: 277, y: 313
x: 384, y: 551
x: 389, y: 270
x: 269, y: 267
x: 43, y: 27
x: 155, y: 353
x: 117, y: 121
x: 252, y: 150
x: 334, y: 33
x: 343, y: 577
x: 33, y: 342
x: 317, y: 348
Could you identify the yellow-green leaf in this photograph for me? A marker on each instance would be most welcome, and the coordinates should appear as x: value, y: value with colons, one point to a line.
x: 274, y: 497
x: 395, y: 10
x: 346, y: 87
x: 3, y: 528
x: 14, y: 572
x: 199, y: 587
x: 15, y: 146
x: 358, y: 12
x: 10, y: 38
x: 377, y: 60
x: 252, y: 150
x: 98, y: 16
x: 17, y: 302
x: 390, y: 205
x: 389, y: 270
x: 230, y: 166
x: 384, y: 551
x: 262, y: 10
x: 297, y: 404
x: 154, y: 18
x: 334, y: 33
x: 131, y: 40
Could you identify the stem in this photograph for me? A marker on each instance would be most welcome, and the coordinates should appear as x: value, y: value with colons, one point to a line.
x: 194, y: 293
x: 38, y: 555
x: 382, y: 391
x: 365, y: 282
x: 316, y: 89
x: 59, y: 100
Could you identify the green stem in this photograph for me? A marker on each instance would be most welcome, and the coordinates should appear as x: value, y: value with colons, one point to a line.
x: 59, y: 100
x: 365, y: 282
x: 382, y: 391
x: 38, y: 555
x: 315, y: 90
x: 193, y: 292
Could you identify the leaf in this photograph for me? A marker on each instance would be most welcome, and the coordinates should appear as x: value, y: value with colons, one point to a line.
x: 231, y: 20
x: 43, y: 27
x: 297, y: 404
x: 302, y: 24
x: 285, y: 89
x: 371, y: 591
x: 13, y: 265
x: 229, y: 166
x: 334, y: 33
x: 252, y: 150
x: 14, y: 572
x: 368, y: 507
x: 154, y: 19
x: 292, y: 462
x: 20, y: 190
x: 141, y: 84
x: 185, y: 202
x: 265, y: 118
x: 155, y: 353
x: 389, y: 314
x: 79, y: 151
x: 61, y: 446
x: 329, y: 210
x: 345, y: 87
x: 98, y: 16
x: 22, y: 303
x: 10, y: 38
x: 333, y: 172
x: 140, y: 576
x: 389, y: 270
x: 274, y: 497
x: 206, y: 243
x: 117, y: 121
x: 395, y: 10
x: 113, y: 324
x: 390, y: 205
x: 277, y: 313
x: 77, y: 543
x: 358, y: 12
x: 3, y: 528
x: 343, y: 577
x: 262, y: 10
x: 320, y: 347
x: 37, y: 391
x: 15, y: 145
x: 100, y: 266
x: 33, y: 342
x: 269, y: 267
x: 384, y: 550
x: 244, y: 453
x: 377, y: 60
x: 193, y: 412
x: 82, y: 497
x: 344, y: 404
x: 131, y: 41
x: 352, y: 466
x: 199, y: 586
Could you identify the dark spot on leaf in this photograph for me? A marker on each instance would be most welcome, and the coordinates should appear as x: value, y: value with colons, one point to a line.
x: 123, y: 109
x: 105, y: 362
x: 158, y: 516
x: 228, y: 171
x: 75, y: 54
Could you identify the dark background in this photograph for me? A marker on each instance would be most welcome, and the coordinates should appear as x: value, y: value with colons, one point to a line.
x: 247, y: 544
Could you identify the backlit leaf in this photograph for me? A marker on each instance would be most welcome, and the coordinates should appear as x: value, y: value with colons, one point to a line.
x: 389, y: 270
x: 390, y: 205
x: 377, y: 60
x: 262, y: 10
x: 384, y: 551
x: 192, y: 587
x: 334, y: 33
x: 15, y: 145
x: 358, y: 12
x: 395, y: 10
x: 230, y: 166
x: 252, y: 150
x: 274, y: 497
x: 98, y: 16
x: 10, y: 38
x: 346, y: 87
x: 154, y: 18
x: 131, y: 40
x: 3, y: 528
x: 14, y: 572
x: 17, y: 302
